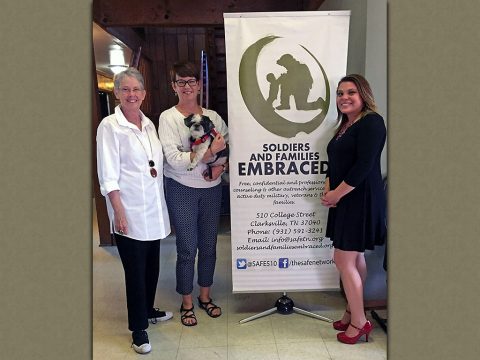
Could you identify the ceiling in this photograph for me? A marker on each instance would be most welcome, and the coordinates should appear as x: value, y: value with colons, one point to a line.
x: 102, y: 43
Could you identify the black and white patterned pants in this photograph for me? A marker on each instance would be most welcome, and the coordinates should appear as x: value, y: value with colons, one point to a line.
x: 195, y: 214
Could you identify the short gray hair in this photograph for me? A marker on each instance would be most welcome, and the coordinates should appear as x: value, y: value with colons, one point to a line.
x: 130, y: 72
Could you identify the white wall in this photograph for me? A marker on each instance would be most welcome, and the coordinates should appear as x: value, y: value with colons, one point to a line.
x: 376, y: 51
x: 357, y: 31
x: 367, y: 47
x: 376, y: 59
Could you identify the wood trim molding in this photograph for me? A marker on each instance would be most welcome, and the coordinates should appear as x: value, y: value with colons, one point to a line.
x: 100, y: 204
x: 185, y: 12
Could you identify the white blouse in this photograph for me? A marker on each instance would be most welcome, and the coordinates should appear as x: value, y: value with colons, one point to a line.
x: 123, y: 154
x: 173, y: 134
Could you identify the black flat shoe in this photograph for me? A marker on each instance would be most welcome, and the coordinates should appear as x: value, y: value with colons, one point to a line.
x: 209, y: 307
x: 186, y: 316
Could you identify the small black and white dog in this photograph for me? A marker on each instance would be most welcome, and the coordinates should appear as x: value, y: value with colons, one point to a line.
x: 202, y: 133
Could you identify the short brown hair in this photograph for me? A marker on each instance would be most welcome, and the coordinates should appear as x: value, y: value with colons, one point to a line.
x: 184, y: 69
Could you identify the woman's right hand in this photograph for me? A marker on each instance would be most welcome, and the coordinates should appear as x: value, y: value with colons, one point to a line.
x: 326, y: 187
x: 120, y: 222
x: 325, y: 191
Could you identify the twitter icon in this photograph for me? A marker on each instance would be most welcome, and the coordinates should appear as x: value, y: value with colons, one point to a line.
x: 241, y: 263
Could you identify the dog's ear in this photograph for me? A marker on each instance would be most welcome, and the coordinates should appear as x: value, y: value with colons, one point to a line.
x: 188, y: 120
x: 207, y: 123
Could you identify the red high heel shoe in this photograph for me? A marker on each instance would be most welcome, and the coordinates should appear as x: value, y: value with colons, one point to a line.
x: 343, y: 338
x: 338, y: 325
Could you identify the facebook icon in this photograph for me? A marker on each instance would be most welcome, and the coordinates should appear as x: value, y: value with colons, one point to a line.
x: 241, y: 263
x: 283, y: 263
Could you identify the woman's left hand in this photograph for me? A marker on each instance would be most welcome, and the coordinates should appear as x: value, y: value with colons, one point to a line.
x: 330, y: 199
x: 218, y: 144
x: 216, y: 172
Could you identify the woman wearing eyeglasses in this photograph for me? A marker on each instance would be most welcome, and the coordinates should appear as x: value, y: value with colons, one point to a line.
x: 130, y: 172
x: 193, y: 198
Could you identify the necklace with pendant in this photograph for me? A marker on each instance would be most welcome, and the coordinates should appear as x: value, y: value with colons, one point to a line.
x: 151, y: 163
x: 344, y: 129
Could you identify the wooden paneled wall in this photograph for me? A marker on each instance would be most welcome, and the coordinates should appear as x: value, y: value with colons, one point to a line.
x: 167, y: 46
x: 186, y: 12
x: 145, y: 68
x: 162, y: 46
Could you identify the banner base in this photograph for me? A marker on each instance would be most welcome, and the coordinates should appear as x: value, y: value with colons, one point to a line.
x: 284, y: 305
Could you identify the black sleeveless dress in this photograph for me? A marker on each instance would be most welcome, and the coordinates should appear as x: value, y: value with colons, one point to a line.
x: 358, y: 222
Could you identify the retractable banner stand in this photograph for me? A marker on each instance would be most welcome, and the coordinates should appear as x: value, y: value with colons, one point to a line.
x: 282, y: 73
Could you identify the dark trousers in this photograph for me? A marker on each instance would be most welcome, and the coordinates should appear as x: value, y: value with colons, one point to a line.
x: 195, y: 214
x: 141, y: 264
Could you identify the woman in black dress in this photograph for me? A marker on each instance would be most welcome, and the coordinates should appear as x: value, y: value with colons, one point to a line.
x: 355, y: 197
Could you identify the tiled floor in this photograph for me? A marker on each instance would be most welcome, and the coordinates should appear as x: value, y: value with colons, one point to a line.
x: 275, y: 337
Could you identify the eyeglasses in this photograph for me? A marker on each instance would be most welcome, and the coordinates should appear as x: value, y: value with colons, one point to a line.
x: 190, y: 82
x: 127, y: 91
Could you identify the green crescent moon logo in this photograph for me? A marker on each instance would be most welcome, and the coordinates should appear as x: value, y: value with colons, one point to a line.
x: 260, y: 109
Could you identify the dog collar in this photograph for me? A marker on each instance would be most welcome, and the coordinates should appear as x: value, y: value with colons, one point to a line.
x: 201, y: 140
x: 205, y: 137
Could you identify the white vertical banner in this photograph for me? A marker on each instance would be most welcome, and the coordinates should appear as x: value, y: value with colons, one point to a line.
x: 282, y: 73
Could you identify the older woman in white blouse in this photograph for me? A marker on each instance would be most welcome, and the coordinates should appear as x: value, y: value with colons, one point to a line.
x: 130, y: 172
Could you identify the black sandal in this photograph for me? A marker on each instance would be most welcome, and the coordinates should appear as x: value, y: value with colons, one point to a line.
x: 185, y: 316
x: 209, y: 309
